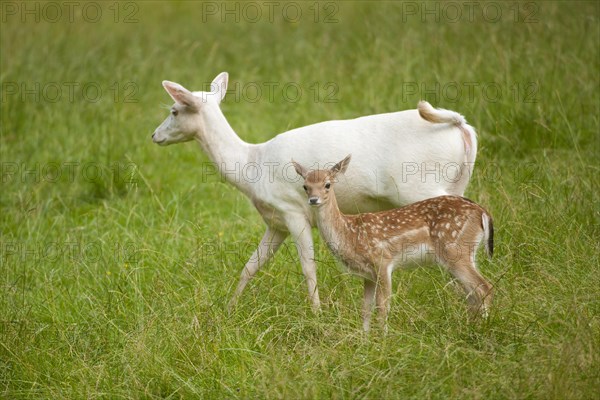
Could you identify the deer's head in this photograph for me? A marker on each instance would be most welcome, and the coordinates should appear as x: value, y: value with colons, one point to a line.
x: 185, y: 120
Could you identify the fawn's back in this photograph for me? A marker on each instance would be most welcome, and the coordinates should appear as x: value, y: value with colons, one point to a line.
x: 440, y: 229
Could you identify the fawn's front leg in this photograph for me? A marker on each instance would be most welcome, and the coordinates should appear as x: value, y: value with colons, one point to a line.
x: 369, y: 297
x: 383, y: 294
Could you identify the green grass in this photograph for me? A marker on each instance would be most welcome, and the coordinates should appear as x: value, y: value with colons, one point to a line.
x: 115, y: 278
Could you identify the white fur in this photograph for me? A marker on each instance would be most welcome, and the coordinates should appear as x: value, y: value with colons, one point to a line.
x: 440, y: 114
x: 386, y: 149
x: 485, y: 221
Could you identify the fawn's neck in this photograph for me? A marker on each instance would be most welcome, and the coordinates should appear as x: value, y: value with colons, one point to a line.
x: 331, y: 222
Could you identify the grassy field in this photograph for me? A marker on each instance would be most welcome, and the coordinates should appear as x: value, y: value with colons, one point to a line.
x: 119, y: 257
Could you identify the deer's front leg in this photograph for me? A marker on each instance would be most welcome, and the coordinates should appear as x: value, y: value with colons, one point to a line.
x: 270, y: 243
x: 300, y: 230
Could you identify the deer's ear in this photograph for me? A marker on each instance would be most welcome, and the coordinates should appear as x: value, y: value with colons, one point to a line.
x: 300, y: 170
x: 180, y: 94
x: 341, y: 167
x: 219, y: 85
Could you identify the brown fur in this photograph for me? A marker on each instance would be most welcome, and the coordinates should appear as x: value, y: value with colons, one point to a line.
x: 449, y: 228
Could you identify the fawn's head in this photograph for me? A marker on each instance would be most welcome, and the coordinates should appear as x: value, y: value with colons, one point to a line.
x: 185, y: 119
x: 319, y: 183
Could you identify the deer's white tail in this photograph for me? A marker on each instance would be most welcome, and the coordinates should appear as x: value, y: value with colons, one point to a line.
x: 440, y: 116
x: 488, y: 234
x: 469, y: 136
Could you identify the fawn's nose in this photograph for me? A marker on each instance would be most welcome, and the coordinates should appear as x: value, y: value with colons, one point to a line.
x: 153, y: 135
x: 313, y: 200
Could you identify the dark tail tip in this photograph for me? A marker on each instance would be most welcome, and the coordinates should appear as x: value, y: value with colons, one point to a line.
x: 490, y: 243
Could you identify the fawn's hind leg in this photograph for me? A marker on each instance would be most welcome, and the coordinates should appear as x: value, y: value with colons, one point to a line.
x: 459, y: 259
x: 479, y: 291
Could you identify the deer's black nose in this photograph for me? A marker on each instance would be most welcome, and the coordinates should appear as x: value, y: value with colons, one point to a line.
x: 153, y: 135
x: 313, y: 200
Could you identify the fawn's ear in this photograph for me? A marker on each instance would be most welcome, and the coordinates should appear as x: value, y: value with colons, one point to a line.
x: 300, y: 169
x: 219, y: 85
x: 341, y: 167
x: 180, y: 94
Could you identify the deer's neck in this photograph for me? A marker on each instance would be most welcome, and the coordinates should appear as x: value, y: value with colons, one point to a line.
x: 223, y: 146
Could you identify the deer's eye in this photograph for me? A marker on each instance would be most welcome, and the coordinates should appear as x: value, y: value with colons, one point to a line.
x: 174, y: 112
x: 327, y: 185
x: 305, y: 188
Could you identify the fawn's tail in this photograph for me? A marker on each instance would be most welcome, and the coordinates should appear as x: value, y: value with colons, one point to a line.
x: 488, y: 234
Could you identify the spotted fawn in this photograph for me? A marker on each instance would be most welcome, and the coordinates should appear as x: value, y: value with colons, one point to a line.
x: 446, y: 230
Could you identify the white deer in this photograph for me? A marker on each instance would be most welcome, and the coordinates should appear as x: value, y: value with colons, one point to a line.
x: 402, y: 157
x: 446, y: 230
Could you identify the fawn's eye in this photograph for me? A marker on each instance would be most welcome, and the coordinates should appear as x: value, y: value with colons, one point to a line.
x: 305, y: 188
x: 327, y: 185
x: 174, y: 112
